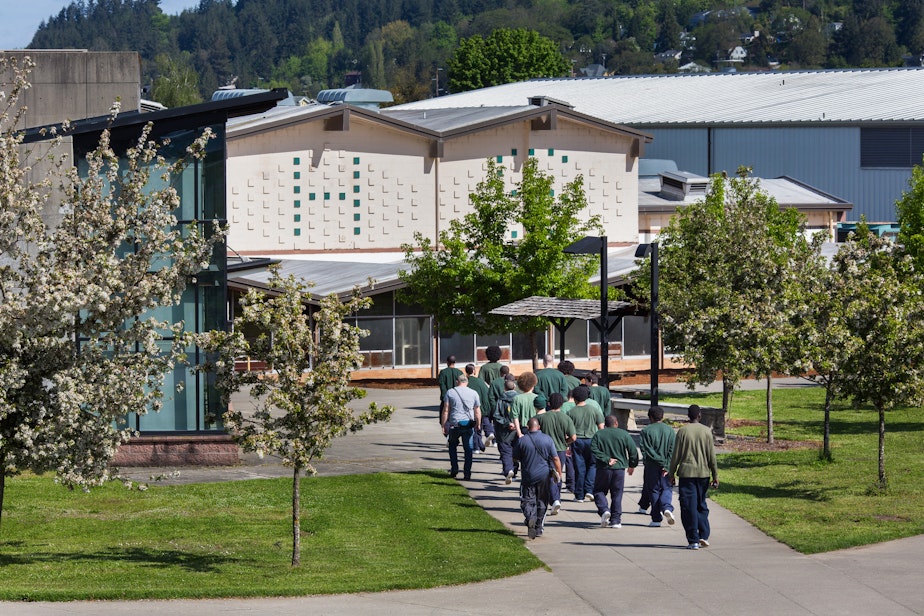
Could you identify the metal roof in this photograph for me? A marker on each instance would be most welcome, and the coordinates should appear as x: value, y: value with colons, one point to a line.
x: 778, y: 97
x: 558, y: 308
x: 451, y: 119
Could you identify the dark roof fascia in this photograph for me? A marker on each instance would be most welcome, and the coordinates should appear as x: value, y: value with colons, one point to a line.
x: 189, y: 115
x: 847, y: 205
x: 649, y: 126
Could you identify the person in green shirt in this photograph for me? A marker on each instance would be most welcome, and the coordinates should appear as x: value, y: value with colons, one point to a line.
x: 559, y: 426
x: 447, y: 378
x: 566, y: 367
x: 657, y: 445
x: 550, y: 379
x: 491, y: 370
x: 615, y: 455
x: 599, y: 393
x: 587, y: 420
x: 693, y: 461
x: 523, y: 407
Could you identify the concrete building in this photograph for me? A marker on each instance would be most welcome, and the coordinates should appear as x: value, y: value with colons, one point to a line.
x: 853, y: 133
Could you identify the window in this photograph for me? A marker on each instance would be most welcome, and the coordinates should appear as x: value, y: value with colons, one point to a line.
x: 892, y: 147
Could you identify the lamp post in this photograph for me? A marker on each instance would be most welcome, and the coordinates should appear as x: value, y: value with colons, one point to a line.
x: 588, y: 246
x: 643, y: 251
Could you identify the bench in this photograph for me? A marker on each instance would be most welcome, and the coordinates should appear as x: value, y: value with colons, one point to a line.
x: 624, y: 409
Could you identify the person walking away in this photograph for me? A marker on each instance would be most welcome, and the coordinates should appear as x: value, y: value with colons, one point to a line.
x: 505, y: 431
x: 496, y: 386
x: 559, y: 427
x: 587, y: 421
x: 538, y: 461
x: 447, y: 378
x: 481, y: 388
x: 615, y: 455
x: 523, y: 405
x: 693, y: 462
x: 460, y: 417
x: 657, y: 445
x: 491, y: 370
x: 599, y: 393
x: 550, y: 380
x: 566, y: 367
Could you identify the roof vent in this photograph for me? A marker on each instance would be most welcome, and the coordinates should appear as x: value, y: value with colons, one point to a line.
x: 542, y: 101
x: 682, y: 185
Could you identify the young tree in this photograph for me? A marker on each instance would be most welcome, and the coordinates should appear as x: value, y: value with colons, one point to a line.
x: 477, y: 266
x: 77, y: 352
x: 505, y: 56
x: 728, y: 279
x: 303, y: 393
x: 884, y: 312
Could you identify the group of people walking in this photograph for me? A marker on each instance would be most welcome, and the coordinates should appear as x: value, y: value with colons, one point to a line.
x: 559, y: 436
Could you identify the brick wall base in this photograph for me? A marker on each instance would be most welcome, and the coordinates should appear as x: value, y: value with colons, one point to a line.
x: 179, y: 450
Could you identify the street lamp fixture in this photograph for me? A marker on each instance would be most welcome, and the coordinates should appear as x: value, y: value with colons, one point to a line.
x: 587, y: 246
x: 641, y: 252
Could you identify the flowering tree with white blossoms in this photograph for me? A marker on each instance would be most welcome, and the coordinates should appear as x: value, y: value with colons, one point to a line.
x: 77, y: 353
x: 303, y: 391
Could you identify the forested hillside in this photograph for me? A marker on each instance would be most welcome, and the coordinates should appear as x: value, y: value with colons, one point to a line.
x: 405, y: 45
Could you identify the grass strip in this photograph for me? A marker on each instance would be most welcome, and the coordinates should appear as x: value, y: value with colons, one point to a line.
x: 814, y: 505
x: 360, y: 533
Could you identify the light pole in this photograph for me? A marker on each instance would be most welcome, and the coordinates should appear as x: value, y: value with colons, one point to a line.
x: 643, y: 251
x: 588, y: 246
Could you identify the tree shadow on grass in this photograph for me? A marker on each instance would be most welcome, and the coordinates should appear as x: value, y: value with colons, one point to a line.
x: 793, y: 490
x: 146, y: 557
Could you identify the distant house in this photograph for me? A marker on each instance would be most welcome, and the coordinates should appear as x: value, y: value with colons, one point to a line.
x: 693, y: 67
x: 671, y: 55
x: 737, y: 54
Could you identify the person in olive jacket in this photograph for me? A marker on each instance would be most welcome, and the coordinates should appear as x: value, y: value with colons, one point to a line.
x: 693, y: 461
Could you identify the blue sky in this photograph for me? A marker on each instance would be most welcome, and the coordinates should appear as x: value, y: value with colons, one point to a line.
x: 19, y: 19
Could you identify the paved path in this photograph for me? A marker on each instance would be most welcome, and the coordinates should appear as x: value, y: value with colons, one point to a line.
x: 632, y: 570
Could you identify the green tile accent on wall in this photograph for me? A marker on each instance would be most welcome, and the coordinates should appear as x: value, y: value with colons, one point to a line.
x: 513, y: 234
x: 500, y: 159
x: 298, y: 189
x: 298, y: 232
x: 551, y: 152
x: 297, y: 175
x: 296, y: 161
x: 355, y: 202
x: 564, y: 159
x: 532, y: 152
x: 297, y: 203
x: 356, y: 175
x: 298, y: 218
x: 327, y: 196
x: 513, y: 193
x: 356, y: 160
x: 356, y: 189
x: 513, y: 152
x: 311, y: 196
x: 356, y: 217
x: 342, y: 196
x: 356, y: 231
x: 552, y: 193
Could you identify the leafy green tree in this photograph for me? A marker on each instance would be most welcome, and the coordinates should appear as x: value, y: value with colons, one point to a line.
x: 302, y: 395
x: 884, y: 309
x: 726, y: 283
x: 176, y: 84
x: 76, y: 296
x: 505, y: 56
x: 479, y: 264
x: 910, y: 213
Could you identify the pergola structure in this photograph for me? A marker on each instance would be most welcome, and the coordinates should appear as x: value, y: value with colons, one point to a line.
x: 563, y: 312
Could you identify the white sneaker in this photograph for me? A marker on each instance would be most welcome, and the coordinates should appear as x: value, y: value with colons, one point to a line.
x: 693, y: 546
x: 589, y: 498
x: 605, y: 519
x: 509, y: 478
x: 489, y: 441
x: 669, y: 516
x: 556, y: 507
x: 655, y: 525
x: 642, y: 511
x: 615, y: 525
x: 703, y: 543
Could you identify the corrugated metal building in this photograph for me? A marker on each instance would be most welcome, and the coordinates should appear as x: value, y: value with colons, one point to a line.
x: 853, y: 133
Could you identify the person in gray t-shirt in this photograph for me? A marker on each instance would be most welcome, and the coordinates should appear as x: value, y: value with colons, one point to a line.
x: 460, y: 416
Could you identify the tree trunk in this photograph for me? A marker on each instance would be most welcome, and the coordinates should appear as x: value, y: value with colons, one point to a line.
x: 769, y: 409
x: 727, y: 392
x: 296, y: 518
x: 826, y: 439
x: 883, y: 484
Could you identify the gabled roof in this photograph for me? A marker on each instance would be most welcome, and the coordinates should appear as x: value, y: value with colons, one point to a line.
x: 779, y: 97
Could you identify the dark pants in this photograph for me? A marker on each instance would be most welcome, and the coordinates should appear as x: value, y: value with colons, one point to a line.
x: 569, y: 470
x: 694, y: 514
x: 656, y: 490
x: 584, y: 468
x: 487, y: 426
x: 534, y: 502
x: 610, y: 481
x: 555, y: 486
x: 466, y: 436
x: 505, y: 453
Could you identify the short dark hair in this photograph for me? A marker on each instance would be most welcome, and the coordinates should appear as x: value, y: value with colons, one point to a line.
x: 504, y: 370
x: 610, y: 421
x: 493, y: 352
x: 591, y: 377
x: 470, y: 368
x: 450, y: 360
x: 556, y: 400
x: 510, y: 385
x: 581, y: 393
x: 656, y: 413
x: 565, y: 367
x: 694, y: 412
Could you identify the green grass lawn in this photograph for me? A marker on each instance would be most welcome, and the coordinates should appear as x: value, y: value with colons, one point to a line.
x: 360, y: 533
x: 817, y: 506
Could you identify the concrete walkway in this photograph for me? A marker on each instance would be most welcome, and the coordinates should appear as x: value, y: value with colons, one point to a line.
x: 592, y: 570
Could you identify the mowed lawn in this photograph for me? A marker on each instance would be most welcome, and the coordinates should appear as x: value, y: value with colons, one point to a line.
x: 817, y: 506
x: 360, y: 533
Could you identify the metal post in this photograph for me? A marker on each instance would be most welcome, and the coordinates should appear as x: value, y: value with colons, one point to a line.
x: 604, y: 319
x: 655, y: 330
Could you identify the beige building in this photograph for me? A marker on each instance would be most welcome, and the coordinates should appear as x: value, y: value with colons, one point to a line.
x: 342, y: 178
